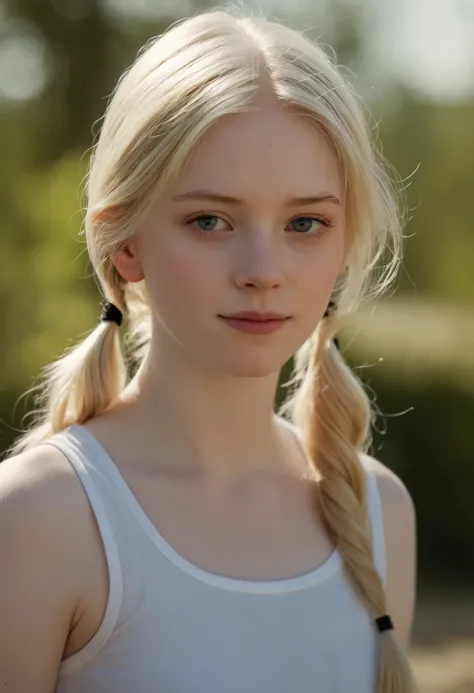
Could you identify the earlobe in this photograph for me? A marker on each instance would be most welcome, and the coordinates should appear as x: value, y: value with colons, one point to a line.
x: 128, y: 265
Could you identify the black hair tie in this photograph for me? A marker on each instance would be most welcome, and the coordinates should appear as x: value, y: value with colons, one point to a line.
x: 332, y: 307
x: 384, y: 623
x: 111, y: 313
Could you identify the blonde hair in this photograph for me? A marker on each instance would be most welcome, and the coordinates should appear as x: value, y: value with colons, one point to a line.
x: 181, y: 83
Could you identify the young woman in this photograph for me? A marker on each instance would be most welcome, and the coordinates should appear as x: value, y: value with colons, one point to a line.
x: 162, y: 528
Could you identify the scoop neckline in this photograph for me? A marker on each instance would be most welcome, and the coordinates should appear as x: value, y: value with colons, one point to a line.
x: 325, y: 570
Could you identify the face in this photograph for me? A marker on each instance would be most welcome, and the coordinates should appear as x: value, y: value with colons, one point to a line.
x: 254, y: 223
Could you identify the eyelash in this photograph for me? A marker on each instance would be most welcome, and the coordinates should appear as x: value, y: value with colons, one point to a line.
x: 327, y: 224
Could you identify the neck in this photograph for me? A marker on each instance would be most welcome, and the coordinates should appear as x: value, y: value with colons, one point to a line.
x: 211, y: 423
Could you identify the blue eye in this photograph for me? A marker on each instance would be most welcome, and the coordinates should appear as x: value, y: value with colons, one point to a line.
x: 205, y: 224
x: 207, y: 221
x: 303, y: 225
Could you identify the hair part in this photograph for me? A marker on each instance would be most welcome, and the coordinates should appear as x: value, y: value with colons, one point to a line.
x: 182, y: 82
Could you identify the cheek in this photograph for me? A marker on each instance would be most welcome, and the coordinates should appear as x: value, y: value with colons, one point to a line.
x: 177, y: 280
x: 322, y: 267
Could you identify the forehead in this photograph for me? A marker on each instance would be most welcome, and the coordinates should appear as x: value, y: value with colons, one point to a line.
x: 266, y: 151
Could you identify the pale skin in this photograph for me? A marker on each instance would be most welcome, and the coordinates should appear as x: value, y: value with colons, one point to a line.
x: 194, y: 433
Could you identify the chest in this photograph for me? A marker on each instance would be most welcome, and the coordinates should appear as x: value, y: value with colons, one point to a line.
x: 269, y: 530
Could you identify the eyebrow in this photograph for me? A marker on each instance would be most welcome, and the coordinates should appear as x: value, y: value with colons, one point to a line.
x: 227, y: 199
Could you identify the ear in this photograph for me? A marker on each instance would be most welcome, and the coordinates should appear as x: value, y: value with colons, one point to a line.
x: 127, y: 262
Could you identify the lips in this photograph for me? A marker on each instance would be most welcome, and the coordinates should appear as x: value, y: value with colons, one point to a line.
x: 255, y: 316
x: 253, y: 326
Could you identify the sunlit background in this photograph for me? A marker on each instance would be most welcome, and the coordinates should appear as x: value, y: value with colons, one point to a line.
x: 413, y: 63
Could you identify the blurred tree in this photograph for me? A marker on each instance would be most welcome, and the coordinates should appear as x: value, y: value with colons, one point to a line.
x: 432, y: 146
x: 89, y: 52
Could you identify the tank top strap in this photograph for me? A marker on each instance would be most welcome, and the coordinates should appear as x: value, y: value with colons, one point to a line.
x: 93, y: 474
x: 373, y: 503
x: 376, y: 519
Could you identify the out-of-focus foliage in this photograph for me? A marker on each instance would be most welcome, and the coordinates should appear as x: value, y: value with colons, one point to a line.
x: 438, y: 142
x: 48, y: 297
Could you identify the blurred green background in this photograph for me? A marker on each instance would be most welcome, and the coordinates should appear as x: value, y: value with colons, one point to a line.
x: 412, y: 61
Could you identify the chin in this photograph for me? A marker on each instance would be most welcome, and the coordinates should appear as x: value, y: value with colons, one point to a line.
x: 261, y: 365
x: 253, y: 371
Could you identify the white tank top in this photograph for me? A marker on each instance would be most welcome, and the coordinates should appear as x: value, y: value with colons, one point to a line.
x: 172, y: 627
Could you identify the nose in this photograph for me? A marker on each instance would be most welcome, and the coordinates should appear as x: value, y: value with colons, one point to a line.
x: 258, y: 265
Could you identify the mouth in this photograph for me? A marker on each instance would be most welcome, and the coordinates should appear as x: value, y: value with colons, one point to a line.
x: 255, y: 316
x: 231, y: 317
x: 255, y: 326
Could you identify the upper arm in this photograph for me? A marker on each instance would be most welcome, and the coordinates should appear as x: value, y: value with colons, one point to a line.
x: 399, y: 520
x: 37, y: 583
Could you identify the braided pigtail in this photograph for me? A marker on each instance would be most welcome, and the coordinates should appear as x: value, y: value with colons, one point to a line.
x: 334, y: 415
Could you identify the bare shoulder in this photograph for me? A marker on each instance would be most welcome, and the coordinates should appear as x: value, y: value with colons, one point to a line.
x: 39, y: 491
x: 394, y: 494
x: 399, y: 524
x: 42, y: 511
